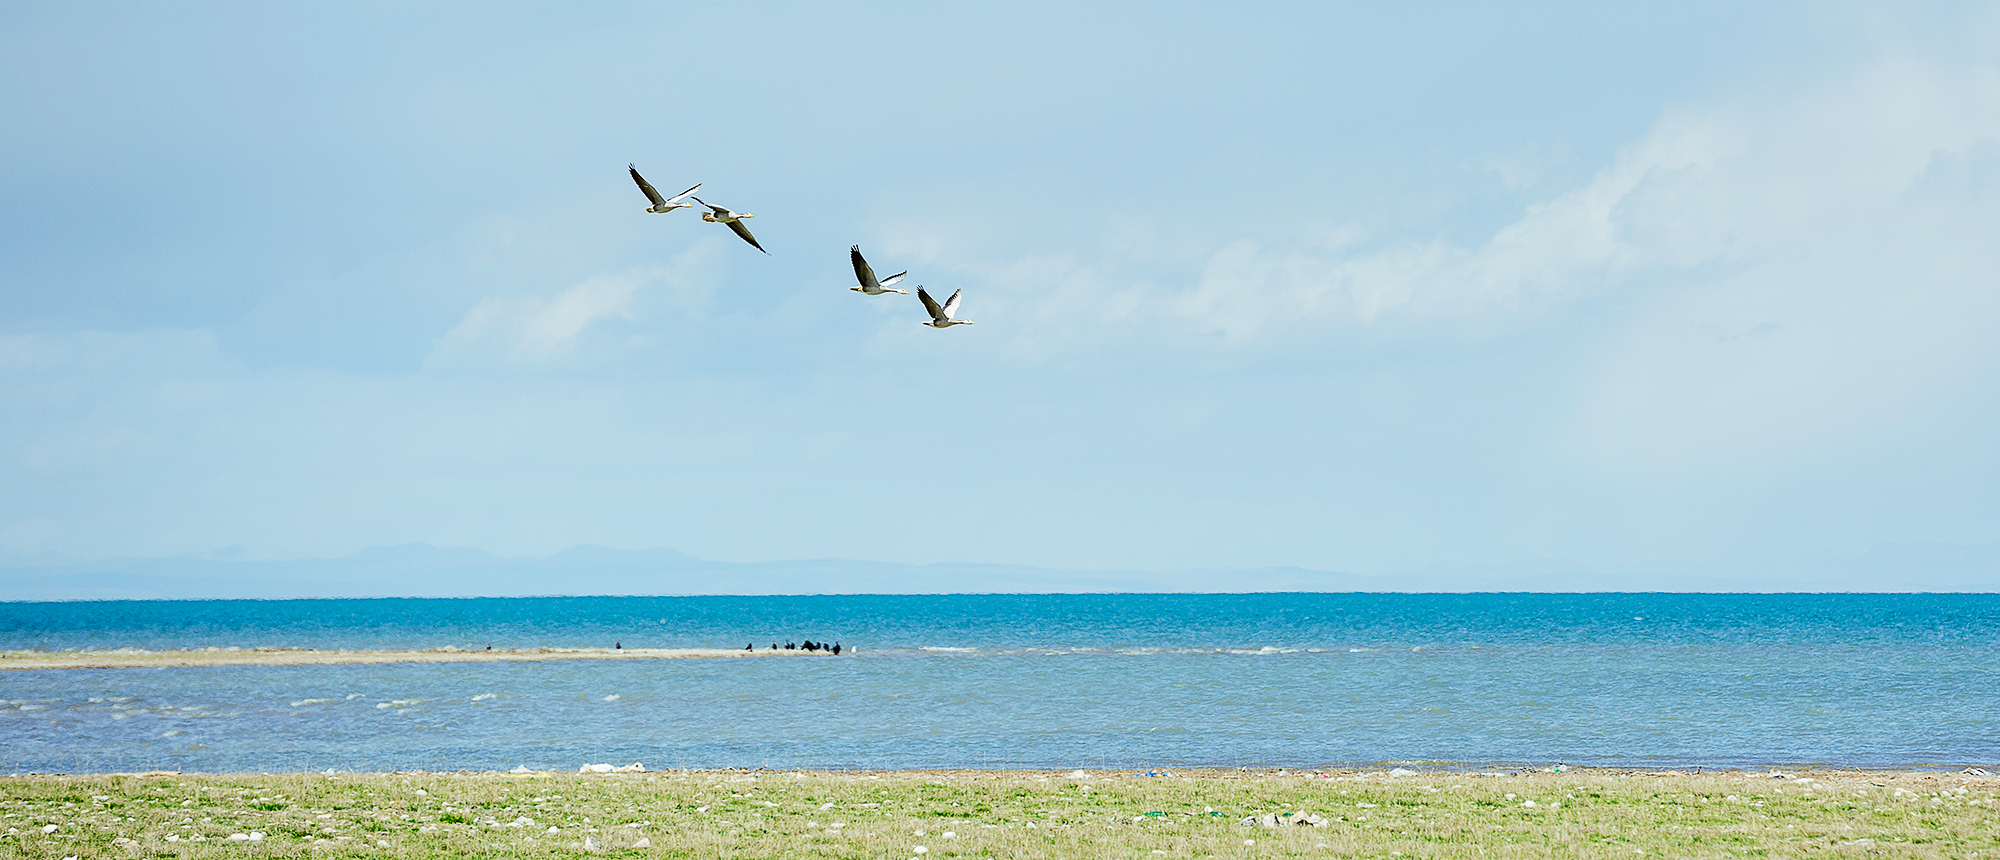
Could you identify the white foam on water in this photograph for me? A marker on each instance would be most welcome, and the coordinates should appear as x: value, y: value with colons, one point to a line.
x: 304, y: 702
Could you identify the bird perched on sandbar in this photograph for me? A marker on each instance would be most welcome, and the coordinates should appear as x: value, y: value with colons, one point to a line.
x: 721, y: 215
x: 661, y: 205
x: 864, y: 274
x: 941, y: 316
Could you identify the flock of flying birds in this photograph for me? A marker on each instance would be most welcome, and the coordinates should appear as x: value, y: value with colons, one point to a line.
x: 941, y: 315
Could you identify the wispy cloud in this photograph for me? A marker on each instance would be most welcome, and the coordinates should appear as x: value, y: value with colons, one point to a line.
x: 1708, y: 190
x: 524, y: 331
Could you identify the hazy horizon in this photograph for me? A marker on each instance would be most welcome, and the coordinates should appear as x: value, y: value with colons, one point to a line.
x: 422, y: 570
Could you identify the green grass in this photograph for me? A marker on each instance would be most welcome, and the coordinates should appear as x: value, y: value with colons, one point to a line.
x: 736, y: 814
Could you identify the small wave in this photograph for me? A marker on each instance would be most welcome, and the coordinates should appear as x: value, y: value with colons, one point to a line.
x: 948, y: 650
x: 304, y: 702
x: 484, y: 696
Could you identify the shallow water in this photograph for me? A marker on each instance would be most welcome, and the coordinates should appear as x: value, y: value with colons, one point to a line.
x: 1030, y: 681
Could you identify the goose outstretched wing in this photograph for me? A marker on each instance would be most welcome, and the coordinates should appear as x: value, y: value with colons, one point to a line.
x: 647, y: 186
x: 862, y: 272
x: 745, y: 233
x: 931, y: 305
x: 951, y: 304
x: 677, y: 198
x: 892, y: 279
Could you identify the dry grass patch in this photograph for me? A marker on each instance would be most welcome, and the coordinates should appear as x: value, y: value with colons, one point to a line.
x: 1019, y: 814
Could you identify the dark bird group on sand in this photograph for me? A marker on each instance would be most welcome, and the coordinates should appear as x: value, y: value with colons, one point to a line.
x: 942, y: 315
x: 808, y: 645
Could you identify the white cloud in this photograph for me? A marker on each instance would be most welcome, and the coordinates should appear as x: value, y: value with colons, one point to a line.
x: 1757, y: 183
x: 526, y: 331
x: 531, y: 330
x: 1792, y: 275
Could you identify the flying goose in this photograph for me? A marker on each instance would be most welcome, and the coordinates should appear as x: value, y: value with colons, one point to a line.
x: 870, y: 286
x: 941, y: 316
x: 660, y: 204
x: 720, y: 215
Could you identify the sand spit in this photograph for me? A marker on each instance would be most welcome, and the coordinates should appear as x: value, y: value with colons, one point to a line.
x: 130, y: 658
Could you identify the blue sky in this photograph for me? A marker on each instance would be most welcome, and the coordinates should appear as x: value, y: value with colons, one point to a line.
x: 1348, y: 287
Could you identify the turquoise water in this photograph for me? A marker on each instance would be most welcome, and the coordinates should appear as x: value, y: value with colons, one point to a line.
x: 1298, y: 680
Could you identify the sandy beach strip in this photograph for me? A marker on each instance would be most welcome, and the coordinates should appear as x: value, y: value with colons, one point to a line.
x: 132, y: 658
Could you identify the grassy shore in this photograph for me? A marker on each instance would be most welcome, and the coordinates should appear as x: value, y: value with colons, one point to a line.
x: 1015, y: 814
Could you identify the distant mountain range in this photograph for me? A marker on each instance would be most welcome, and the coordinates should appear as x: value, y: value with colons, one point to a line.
x: 421, y: 570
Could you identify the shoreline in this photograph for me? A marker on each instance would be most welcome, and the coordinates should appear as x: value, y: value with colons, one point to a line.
x: 136, y: 658
x: 1326, y: 775
x: 1836, y: 775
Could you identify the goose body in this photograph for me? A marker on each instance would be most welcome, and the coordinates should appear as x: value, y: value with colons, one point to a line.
x: 661, y: 205
x: 721, y: 215
x: 941, y: 317
x: 864, y: 274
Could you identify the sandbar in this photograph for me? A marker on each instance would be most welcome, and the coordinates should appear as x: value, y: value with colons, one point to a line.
x: 134, y: 658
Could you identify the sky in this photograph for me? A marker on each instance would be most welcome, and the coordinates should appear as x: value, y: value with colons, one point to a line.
x: 1350, y: 287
